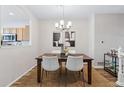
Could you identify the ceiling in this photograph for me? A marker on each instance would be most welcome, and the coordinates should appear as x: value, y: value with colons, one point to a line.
x: 49, y: 12
x: 72, y: 11
x: 13, y: 14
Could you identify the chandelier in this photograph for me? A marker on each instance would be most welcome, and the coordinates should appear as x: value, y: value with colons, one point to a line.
x: 61, y: 24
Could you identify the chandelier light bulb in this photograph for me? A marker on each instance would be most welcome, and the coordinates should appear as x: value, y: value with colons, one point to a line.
x: 56, y: 25
x: 62, y: 22
x: 70, y: 23
x: 68, y: 26
x: 60, y: 27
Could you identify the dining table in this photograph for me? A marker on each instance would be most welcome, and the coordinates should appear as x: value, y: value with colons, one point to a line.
x: 63, y: 58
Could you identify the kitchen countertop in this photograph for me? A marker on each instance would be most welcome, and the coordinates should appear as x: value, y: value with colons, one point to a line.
x: 15, y: 46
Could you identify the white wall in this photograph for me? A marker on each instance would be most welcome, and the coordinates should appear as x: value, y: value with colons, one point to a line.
x: 17, y: 60
x: 110, y: 29
x: 81, y: 27
x: 92, y: 37
x: 0, y: 25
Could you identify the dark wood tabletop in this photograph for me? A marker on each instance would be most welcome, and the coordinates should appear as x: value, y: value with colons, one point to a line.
x: 85, y: 57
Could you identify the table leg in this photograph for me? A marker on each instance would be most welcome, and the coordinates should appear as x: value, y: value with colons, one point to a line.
x: 38, y: 71
x: 89, y: 72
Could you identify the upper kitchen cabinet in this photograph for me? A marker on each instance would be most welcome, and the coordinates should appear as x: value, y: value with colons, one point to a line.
x: 9, y: 30
x: 19, y: 32
x: 15, y: 28
x: 26, y: 33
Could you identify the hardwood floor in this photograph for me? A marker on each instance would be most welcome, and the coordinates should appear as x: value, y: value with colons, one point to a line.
x: 99, y: 76
x: 107, y: 75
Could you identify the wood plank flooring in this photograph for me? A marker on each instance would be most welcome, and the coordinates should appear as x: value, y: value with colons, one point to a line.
x: 100, y: 78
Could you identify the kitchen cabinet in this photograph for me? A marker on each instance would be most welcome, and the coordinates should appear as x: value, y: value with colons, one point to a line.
x: 19, y: 32
x: 5, y: 30
x: 22, y: 32
x: 26, y: 33
x: 9, y: 30
x: 13, y: 30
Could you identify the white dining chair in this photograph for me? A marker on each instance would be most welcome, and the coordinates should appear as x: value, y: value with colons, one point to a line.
x: 49, y: 64
x: 57, y: 52
x: 75, y: 64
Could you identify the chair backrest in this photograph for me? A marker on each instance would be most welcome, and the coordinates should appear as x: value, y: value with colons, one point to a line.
x: 71, y: 51
x: 56, y: 51
x: 50, y: 63
x: 74, y: 63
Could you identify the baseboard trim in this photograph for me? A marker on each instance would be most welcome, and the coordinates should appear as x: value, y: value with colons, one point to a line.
x: 21, y: 76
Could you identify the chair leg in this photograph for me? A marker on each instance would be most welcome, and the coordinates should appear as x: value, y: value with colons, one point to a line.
x: 79, y: 73
x: 46, y: 73
x: 83, y: 80
x: 42, y: 76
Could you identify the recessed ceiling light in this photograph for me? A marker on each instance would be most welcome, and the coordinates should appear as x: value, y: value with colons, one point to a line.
x: 11, y: 13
